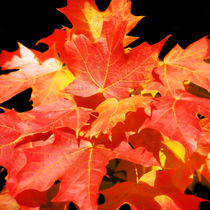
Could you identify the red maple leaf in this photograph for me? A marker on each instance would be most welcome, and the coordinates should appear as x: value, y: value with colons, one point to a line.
x: 176, y: 118
x: 153, y: 191
x: 184, y: 65
x: 112, y: 111
x: 105, y: 67
x: 79, y: 182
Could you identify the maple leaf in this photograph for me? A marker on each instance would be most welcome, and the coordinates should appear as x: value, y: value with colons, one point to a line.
x: 46, y: 79
x: 105, y: 67
x: 111, y: 111
x: 182, y: 65
x: 88, y: 20
x: 170, y: 153
x: 22, y: 129
x: 15, y: 126
x: 176, y: 118
x: 42, y: 169
x: 62, y: 113
x: 13, y: 130
x: 56, y: 43
x: 153, y: 191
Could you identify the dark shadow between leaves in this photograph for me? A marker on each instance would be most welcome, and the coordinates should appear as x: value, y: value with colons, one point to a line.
x: 3, y: 174
x: 20, y: 102
x: 125, y: 207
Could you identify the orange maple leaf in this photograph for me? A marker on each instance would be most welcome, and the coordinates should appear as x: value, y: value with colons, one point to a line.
x: 88, y: 20
x: 46, y: 78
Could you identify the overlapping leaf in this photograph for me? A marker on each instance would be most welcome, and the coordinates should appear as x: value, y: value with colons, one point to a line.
x: 153, y: 191
x: 182, y: 65
x: 79, y: 182
x: 88, y: 20
x: 112, y: 111
x: 176, y: 118
x: 105, y: 67
x: 46, y: 78
x: 62, y: 113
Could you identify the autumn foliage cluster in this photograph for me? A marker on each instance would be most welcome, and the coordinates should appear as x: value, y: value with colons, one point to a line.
x: 106, y: 118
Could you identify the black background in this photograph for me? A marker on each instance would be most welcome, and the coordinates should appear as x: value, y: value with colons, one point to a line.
x: 28, y: 21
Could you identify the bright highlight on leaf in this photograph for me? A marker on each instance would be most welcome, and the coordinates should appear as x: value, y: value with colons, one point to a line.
x: 106, y: 119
